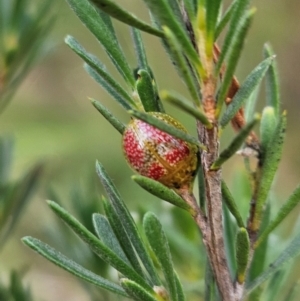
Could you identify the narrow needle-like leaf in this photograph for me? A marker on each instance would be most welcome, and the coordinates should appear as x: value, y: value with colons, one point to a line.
x: 179, y: 288
x: 190, y: 8
x: 160, y: 247
x: 233, y: 57
x: 229, y: 231
x: 292, y: 250
x: 250, y: 104
x: 270, y: 162
x: 236, y: 143
x: 18, y: 197
x: 260, y: 255
x: 145, y: 89
x: 71, y: 266
x: 165, y: 127
x: 122, y: 236
x: 100, y: 80
x: 226, y: 18
x: 235, y: 14
x: 93, y: 62
x: 136, y: 291
x: 97, y: 246
x: 201, y: 187
x: 139, y: 49
x: 90, y: 18
x: 182, y: 103
x: 283, y: 212
x: 118, y: 125
x: 162, y: 192
x: 272, y: 82
x: 242, y: 253
x: 163, y: 12
x: 127, y: 222
x: 212, y: 12
x: 115, y: 11
x: 231, y: 204
x: 249, y: 85
x: 209, y: 283
x: 107, y: 236
x: 181, y: 64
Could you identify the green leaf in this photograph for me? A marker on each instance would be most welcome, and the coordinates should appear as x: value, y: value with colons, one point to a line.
x: 160, y: 124
x: 251, y: 104
x: 292, y: 250
x: 118, y: 125
x: 122, y: 236
x: 127, y: 222
x: 136, y: 291
x: 160, y: 247
x: 108, y: 22
x: 162, y: 192
x: 231, y: 205
x: 269, y: 164
x: 272, y: 82
x: 209, y: 283
x: 230, y: 230
x: 226, y: 18
x: 16, y: 200
x: 236, y: 14
x: 233, y: 57
x: 15, y: 289
x: 139, y: 49
x: 190, y: 8
x: 115, y: 11
x: 236, y: 143
x: 107, y: 236
x: 212, y: 12
x: 162, y: 11
x: 201, y: 187
x: 283, y: 212
x: 267, y: 127
x: 97, y: 246
x: 94, y: 74
x: 112, y: 86
x: 176, y: 11
x: 179, y: 288
x: 71, y: 266
x: 246, y: 89
x: 180, y: 61
x: 146, y: 91
x: 90, y: 18
x: 276, y: 284
x: 23, y: 31
x: 259, y: 257
x: 182, y: 103
x: 242, y: 253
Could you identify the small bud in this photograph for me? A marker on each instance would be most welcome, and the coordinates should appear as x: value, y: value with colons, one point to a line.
x: 158, y: 155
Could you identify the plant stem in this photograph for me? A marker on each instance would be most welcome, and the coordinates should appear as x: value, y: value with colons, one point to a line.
x: 216, y: 250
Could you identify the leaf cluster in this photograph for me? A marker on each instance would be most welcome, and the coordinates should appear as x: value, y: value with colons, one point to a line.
x: 189, y: 32
x: 15, y: 289
x: 14, y: 195
x: 120, y: 245
x: 22, y: 42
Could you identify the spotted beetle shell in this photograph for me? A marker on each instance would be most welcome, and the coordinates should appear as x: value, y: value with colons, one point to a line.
x: 158, y: 155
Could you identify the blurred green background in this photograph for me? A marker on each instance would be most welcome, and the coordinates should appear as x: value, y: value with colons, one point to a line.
x: 52, y: 120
